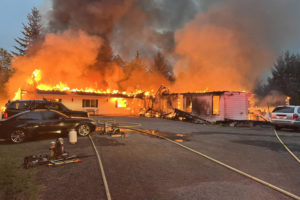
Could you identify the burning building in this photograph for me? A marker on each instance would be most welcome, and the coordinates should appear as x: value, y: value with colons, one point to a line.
x: 209, y: 106
x: 219, y: 45
x: 98, y: 103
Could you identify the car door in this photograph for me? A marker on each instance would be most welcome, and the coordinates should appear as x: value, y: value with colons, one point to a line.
x: 53, y: 122
x: 30, y: 121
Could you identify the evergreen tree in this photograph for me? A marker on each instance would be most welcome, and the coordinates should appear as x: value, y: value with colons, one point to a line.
x: 5, y: 68
x: 285, y: 78
x: 5, y: 59
x: 31, y: 33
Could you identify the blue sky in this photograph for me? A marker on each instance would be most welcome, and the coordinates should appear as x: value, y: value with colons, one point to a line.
x: 12, y: 14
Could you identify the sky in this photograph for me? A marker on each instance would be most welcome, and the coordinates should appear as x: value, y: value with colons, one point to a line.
x: 12, y: 14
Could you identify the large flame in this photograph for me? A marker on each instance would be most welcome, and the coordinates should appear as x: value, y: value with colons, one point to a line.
x: 36, y: 78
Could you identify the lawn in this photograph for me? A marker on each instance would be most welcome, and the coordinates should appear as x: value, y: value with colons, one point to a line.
x: 16, y: 182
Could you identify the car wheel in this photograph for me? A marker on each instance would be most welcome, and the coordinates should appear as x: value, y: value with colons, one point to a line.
x: 83, y: 130
x: 17, y: 136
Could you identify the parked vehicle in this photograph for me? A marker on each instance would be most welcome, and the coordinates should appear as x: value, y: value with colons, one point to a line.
x: 286, y: 117
x: 18, y: 106
x: 22, y: 126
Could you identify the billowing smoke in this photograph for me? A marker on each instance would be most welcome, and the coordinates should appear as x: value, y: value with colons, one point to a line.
x: 214, y: 45
x: 231, y: 43
x: 127, y: 25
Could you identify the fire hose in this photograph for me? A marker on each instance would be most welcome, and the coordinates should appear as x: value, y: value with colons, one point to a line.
x: 108, y: 196
x: 110, y: 122
x: 224, y: 165
x: 133, y: 126
x: 290, y: 152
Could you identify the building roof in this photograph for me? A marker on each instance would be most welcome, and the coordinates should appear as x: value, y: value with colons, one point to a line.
x: 120, y: 95
x: 205, y: 93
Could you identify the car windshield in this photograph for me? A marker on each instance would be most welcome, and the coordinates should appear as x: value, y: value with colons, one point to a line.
x: 63, y: 107
x: 284, y: 109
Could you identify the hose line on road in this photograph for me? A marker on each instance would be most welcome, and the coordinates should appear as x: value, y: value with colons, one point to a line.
x: 101, y: 169
x: 225, y: 165
x: 292, y: 154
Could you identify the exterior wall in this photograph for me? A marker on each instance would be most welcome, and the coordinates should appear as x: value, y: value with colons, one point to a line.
x: 166, y: 104
x: 202, y: 105
x: 236, y: 105
x: 106, y: 105
x: 233, y: 105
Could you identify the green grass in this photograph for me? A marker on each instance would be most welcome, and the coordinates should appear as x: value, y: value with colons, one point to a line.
x: 17, y: 183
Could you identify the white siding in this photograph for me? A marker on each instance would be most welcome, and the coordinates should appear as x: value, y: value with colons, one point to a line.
x: 105, y: 105
x: 236, y: 105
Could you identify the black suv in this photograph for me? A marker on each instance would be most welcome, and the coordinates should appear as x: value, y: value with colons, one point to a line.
x: 18, y: 106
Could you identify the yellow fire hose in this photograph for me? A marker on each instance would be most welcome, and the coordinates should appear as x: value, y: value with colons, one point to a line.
x: 108, y: 196
x: 224, y: 165
x: 133, y: 126
x: 292, y: 154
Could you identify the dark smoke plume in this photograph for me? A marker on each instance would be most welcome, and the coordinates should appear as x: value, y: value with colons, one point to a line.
x: 128, y: 25
x: 231, y: 43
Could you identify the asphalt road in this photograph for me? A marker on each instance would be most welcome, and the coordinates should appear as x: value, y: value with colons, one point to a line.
x: 147, y: 167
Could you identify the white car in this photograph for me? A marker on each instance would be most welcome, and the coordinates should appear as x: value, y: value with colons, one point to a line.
x: 286, y: 117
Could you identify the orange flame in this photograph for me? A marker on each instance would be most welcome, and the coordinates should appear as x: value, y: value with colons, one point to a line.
x: 36, y: 77
x: 119, y: 102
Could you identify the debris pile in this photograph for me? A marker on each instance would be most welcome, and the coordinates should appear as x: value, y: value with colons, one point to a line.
x: 56, y: 156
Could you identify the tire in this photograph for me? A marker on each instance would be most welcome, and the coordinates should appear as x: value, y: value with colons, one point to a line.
x: 17, y: 136
x: 84, y: 130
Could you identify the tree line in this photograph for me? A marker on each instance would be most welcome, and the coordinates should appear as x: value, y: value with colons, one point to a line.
x: 284, y: 78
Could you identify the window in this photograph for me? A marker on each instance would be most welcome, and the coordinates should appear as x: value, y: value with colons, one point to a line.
x: 56, y: 106
x: 18, y: 105
x: 92, y: 103
x: 50, y: 115
x: 30, y: 116
x: 284, y: 109
x: 216, y: 105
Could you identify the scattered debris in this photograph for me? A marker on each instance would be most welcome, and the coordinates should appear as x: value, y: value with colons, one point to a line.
x: 56, y: 156
x: 181, y: 115
x: 112, y: 129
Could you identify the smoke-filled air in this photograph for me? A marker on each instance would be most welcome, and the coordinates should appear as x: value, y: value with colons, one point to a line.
x: 204, y: 44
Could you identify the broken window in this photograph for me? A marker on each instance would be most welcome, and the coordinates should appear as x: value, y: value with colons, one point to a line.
x: 216, y: 105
